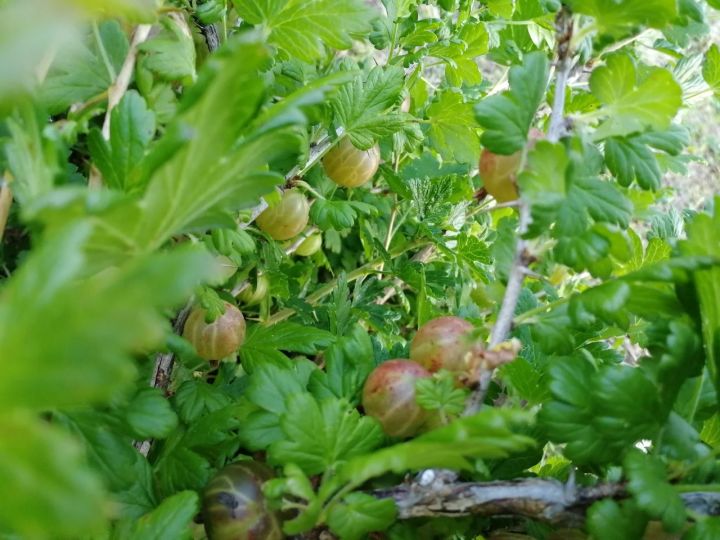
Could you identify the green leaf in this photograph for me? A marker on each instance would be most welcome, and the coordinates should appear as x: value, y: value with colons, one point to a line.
x: 46, y: 484
x: 599, y: 413
x: 348, y: 362
x: 303, y: 27
x: 115, y: 315
x: 711, y: 68
x: 213, y: 173
x: 171, y: 519
x: 271, y: 387
x: 195, y: 398
x: 607, y: 520
x: 507, y: 117
x: 631, y: 105
x: 132, y: 127
x: 321, y: 434
x: 461, y: 53
x: 620, y: 16
x: 264, y: 343
x: 708, y: 528
x: 440, y: 394
x: 654, y: 495
x: 150, y: 415
x: 487, y: 434
x: 171, y: 53
x: 29, y: 156
x: 359, y: 514
x: 79, y: 71
x: 338, y: 215
x: 361, y: 106
x: 182, y: 468
x: 542, y: 182
x: 453, y: 128
x: 629, y: 159
x: 702, y: 239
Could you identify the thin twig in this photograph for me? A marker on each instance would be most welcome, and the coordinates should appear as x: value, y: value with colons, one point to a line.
x: 503, y: 324
x: 422, y: 256
x: 119, y: 87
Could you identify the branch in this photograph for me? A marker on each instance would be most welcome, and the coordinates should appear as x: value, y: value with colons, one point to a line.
x: 544, y: 500
x: 503, y: 324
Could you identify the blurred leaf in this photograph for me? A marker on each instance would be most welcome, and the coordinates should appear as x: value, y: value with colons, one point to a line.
x: 607, y: 520
x: 629, y: 159
x: 115, y: 315
x: 654, y: 495
x: 711, y: 68
x: 487, y: 434
x: 47, y: 489
x: 619, y: 16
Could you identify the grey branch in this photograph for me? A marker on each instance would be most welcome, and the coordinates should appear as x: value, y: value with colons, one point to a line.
x: 503, y: 325
x: 545, y: 500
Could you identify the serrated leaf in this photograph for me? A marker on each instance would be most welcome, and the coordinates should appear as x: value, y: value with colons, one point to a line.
x: 169, y: 520
x: 359, y: 514
x: 303, y: 27
x: 171, y: 53
x: 271, y: 387
x: 348, y: 362
x: 79, y: 72
x: 628, y: 160
x: 150, y: 415
x: 361, y: 106
x: 542, y: 182
x: 453, y: 128
x: 195, y: 398
x: 507, y: 117
x: 320, y: 434
x: 265, y: 343
x: 630, y: 105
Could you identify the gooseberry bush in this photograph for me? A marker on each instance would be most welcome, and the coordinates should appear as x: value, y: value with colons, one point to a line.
x: 356, y: 269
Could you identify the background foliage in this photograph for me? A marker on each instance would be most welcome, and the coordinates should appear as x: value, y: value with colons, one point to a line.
x: 137, y: 152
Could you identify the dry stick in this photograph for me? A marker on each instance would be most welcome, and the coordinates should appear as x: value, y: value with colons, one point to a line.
x: 503, y: 324
x: 119, y: 87
x: 549, y: 501
x: 6, y: 198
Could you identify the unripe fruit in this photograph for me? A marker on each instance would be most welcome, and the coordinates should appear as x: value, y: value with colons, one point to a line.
x: 350, y: 167
x: 442, y: 343
x: 234, y: 507
x: 389, y: 397
x: 287, y: 218
x: 254, y: 295
x: 218, y: 339
x: 499, y: 172
x: 310, y: 245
